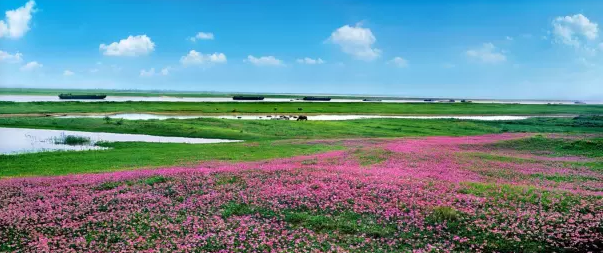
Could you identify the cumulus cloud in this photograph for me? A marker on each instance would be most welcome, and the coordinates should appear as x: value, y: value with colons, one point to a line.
x: 356, y: 41
x: 487, y: 54
x: 310, y: 61
x: 17, y: 21
x: 202, y: 36
x: 571, y: 30
x: 31, y: 66
x: 196, y: 58
x: 399, y: 62
x: 264, y: 61
x: 68, y: 73
x: 131, y: 46
x: 10, y: 58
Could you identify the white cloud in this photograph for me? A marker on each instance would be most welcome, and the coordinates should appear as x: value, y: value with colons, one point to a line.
x: 399, y: 61
x: 356, y: 41
x: 264, y: 61
x: 509, y: 38
x: 448, y: 65
x: 93, y: 70
x: 165, y: 71
x: 310, y: 61
x: 151, y: 72
x: 68, y: 73
x: 17, y: 21
x: 570, y: 30
x: 31, y: 66
x: 10, y: 58
x: 131, y: 46
x: 487, y: 54
x: 196, y: 58
x: 202, y: 36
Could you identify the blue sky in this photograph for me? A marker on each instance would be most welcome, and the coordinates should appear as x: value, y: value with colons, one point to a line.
x: 479, y: 49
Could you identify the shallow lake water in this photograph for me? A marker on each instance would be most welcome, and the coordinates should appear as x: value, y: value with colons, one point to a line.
x: 24, y: 140
x: 142, y: 116
x: 46, y: 98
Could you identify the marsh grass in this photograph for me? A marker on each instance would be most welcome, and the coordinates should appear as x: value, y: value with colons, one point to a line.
x: 73, y: 140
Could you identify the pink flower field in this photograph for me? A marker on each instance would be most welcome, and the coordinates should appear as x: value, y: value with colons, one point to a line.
x: 434, y: 194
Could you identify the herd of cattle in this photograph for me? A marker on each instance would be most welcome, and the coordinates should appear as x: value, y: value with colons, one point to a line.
x: 283, y: 117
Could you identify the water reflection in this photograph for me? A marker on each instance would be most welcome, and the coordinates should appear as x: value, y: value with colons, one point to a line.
x: 23, y: 140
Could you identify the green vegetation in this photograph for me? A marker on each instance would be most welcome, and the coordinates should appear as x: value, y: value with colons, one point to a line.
x: 344, y: 222
x: 580, y: 124
x: 275, y: 129
x: 591, y: 147
x: 292, y: 108
x: 136, y: 155
x: 155, y: 180
x: 445, y: 213
x: 260, y: 129
x: 233, y: 208
x: 72, y: 140
x: 223, y: 179
x: 371, y: 156
x: 557, y: 200
x: 264, y: 133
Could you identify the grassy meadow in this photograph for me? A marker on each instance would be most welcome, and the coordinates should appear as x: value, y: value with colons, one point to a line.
x: 298, y: 108
x: 265, y: 139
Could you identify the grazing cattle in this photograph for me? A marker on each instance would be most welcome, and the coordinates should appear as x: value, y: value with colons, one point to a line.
x: 302, y: 117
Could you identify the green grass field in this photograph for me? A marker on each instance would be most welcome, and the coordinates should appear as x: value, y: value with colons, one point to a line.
x: 278, y: 130
x: 137, y: 155
x: 262, y: 139
x: 592, y: 147
x: 298, y: 108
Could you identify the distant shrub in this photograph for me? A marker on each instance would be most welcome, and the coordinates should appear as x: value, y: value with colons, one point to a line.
x: 120, y: 122
x: 107, y: 119
x: 108, y: 186
x: 155, y: 180
x: 72, y: 140
x: 445, y: 213
x: 226, y: 179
